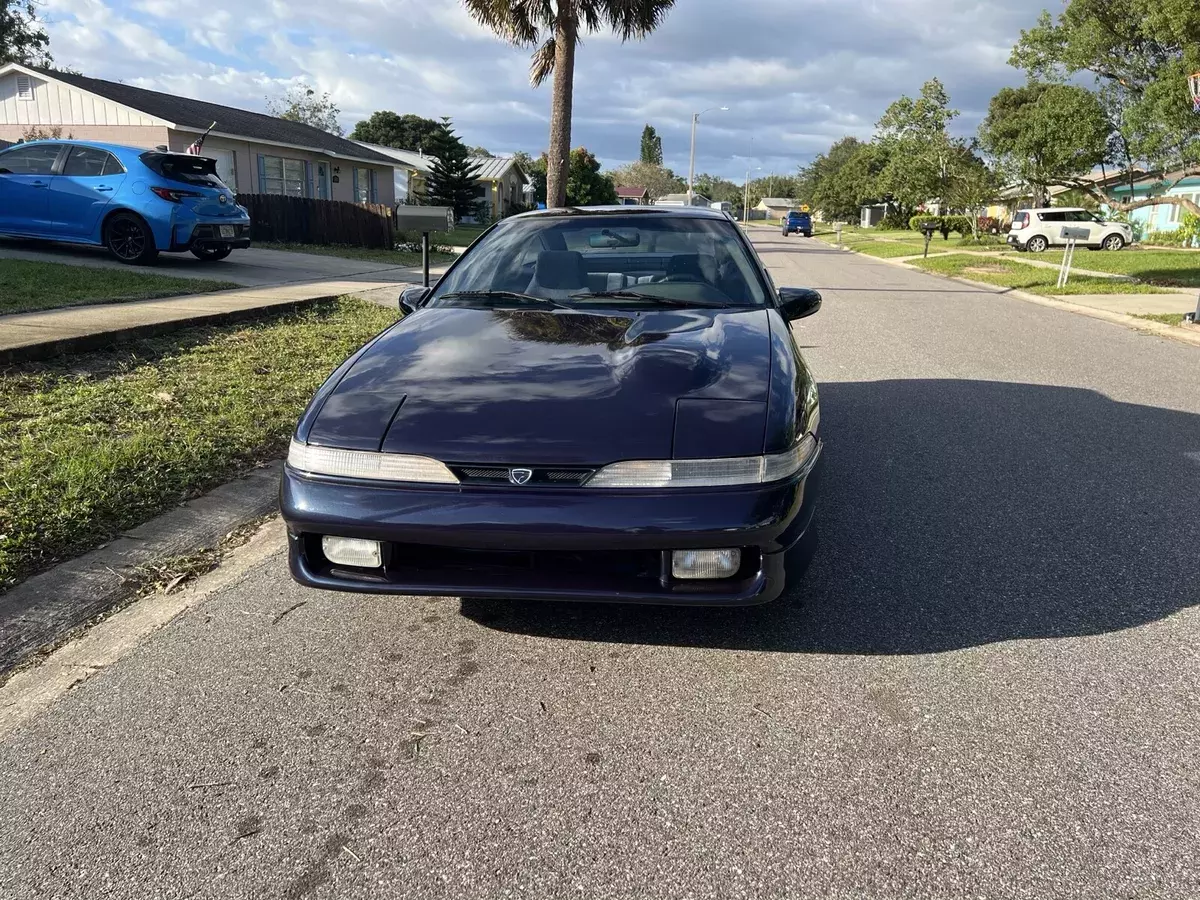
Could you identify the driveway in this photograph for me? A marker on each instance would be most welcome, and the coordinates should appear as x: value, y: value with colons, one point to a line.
x: 252, y: 268
x: 988, y: 686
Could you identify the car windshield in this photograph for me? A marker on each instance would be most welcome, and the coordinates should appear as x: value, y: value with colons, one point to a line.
x: 590, y: 260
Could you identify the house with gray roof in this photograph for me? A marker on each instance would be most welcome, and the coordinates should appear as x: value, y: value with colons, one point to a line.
x: 256, y: 153
x: 500, y: 181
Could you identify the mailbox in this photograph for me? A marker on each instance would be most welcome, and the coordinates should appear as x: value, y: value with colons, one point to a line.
x: 1075, y: 234
x: 425, y: 218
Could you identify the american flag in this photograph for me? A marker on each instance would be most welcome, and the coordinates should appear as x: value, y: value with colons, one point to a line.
x: 197, y: 145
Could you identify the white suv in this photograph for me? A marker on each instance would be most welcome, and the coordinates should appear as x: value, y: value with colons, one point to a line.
x: 1036, y: 229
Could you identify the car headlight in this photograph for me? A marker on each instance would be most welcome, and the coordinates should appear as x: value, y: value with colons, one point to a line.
x: 365, y: 464
x: 673, y: 473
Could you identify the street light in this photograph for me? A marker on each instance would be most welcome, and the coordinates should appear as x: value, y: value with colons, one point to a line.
x: 746, y: 201
x: 692, y: 158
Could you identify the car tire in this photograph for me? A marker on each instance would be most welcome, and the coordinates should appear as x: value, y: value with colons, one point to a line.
x: 808, y: 234
x: 1113, y: 242
x: 130, y: 240
x: 1037, y: 244
x: 207, y: 254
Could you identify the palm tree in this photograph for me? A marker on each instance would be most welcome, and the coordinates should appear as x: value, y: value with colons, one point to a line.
x: 554, y: 28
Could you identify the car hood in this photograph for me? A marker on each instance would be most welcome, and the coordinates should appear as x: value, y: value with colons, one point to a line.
x: 556, y: 387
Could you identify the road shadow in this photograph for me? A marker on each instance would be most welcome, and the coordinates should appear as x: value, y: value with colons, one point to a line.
x: 955, y: 514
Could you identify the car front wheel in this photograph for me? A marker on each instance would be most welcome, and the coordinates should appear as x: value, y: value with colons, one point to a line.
x: 211, y: 254
x: 1037, y: 244
x: 1113, y: 242
x: 130, y: 240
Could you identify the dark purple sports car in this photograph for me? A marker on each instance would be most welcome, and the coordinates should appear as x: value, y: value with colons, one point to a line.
x: 592, y: 404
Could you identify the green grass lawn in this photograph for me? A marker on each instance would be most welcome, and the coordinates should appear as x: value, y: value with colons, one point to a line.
x: 104, y: 441
x: 462, y: 236
x: 369, y: 254
x: 891, y: 249
x: 26, y: 285
x: 1035, y: 279
x: 1170, y: 268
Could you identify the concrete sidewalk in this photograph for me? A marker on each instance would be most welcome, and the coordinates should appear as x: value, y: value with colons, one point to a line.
x: 39, y: 335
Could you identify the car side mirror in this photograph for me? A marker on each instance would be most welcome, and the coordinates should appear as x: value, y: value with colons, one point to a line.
x: 412, y: 298
x: 796, y: 303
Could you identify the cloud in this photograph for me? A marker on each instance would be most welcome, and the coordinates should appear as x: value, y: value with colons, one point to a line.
x: 796, y: 74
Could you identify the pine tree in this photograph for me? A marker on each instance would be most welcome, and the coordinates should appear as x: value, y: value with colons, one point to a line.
x: 651, y: 146
x: 451, y: 180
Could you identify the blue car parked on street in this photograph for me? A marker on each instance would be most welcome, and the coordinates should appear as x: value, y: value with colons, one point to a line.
x: 135, y: 202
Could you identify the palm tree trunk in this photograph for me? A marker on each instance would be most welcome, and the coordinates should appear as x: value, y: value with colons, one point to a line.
x: 565, y: 36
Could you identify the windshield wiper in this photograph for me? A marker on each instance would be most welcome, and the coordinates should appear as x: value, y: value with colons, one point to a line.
x: 502, y: 295
x: 653, y: 298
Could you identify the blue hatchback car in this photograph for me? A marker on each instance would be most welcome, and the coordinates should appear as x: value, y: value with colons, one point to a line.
x: 135, y: 202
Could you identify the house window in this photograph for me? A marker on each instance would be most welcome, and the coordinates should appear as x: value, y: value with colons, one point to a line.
x: 279, y: 175
x: 362, y: 185
x: 24, y: 87
x: 1177, y: 212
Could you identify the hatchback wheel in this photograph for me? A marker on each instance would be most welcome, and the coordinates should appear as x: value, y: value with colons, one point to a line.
x: 1037, y: 244
x: 211, y: 254
x: 1113, y: 242
x: 130, y: 240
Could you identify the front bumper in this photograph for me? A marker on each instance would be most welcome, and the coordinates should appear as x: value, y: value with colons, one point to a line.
x: 548, y: 543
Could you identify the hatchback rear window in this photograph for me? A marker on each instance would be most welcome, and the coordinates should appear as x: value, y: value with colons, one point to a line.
x: 185, y: 168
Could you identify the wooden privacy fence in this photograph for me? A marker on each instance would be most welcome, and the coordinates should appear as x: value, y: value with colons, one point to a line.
x: 304, y: 220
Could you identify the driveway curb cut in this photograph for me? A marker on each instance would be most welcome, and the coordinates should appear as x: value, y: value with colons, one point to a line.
x: 101, y: 339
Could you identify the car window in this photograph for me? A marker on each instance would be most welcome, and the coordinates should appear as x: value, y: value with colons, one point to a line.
x: 1052, y: 216
x: 91, y: 162
x: 37, y: 160
x: 182, y: 167
x: 568, y: 259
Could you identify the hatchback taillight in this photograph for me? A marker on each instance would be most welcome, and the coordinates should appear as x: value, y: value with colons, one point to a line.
x: 174, y: 195
x: 1020, y: 223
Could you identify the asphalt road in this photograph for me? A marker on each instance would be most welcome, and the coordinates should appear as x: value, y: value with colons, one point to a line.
x: 253, y: 267
x: 988, y: 686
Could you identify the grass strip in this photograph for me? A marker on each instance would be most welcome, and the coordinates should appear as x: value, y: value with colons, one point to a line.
x: 1164, y: 318
x: 28, y: 285
x: 97, y: 443
x: 1169, y: 268
x: 1034, y: 279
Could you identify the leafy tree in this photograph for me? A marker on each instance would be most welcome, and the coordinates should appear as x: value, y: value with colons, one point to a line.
x: 1139, y: 53
x: 451, y: 180
x: 920, y: 150
x: 1043, y: 134
x: 651, y: 147
x: 585, y: 185
x: 22, y: 38
x: 300, y: 103
x: 719, y: 190
x: 536, y: 170
x: 972, y: 187
x: 404, y: 132
x: 840, y: 181
x: 481, y: 151
x: 555, y: 29
x: 657, y: 180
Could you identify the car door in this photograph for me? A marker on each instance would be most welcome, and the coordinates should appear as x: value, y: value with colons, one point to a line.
x: 1082, y: 219
x: 83, y: 188
x: 25, y: 176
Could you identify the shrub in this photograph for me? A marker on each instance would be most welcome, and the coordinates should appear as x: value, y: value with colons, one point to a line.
x: 893, y: 221
x: 988, y: 225
x: 920, y: 219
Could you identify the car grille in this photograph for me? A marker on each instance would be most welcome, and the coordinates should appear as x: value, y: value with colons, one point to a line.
x: 560, y: 477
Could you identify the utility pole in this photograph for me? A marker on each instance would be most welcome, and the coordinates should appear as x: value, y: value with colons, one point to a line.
x: 692, y: 155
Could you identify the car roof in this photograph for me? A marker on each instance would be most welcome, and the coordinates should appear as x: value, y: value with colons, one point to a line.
x: 567, y: 212
x: 120, y: 149
x: 1042, y: 209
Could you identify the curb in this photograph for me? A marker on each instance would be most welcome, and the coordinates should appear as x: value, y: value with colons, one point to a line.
x: 1146, y: 326
x: 101, y: 339
x: 46, y: 608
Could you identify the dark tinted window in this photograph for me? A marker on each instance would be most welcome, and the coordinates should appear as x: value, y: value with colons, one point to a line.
x: 1052, y: 217
x: 185, y: 168
x: 91, y: 162
x: 37, y: 160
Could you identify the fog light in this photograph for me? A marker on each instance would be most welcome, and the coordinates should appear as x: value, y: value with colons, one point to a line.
x: 352, y: 551
x: 705, y: 563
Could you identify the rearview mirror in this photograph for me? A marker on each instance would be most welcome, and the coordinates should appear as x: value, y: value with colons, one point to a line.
x: 412, y: 298
x: 796, y: 303
x: 608, y: 239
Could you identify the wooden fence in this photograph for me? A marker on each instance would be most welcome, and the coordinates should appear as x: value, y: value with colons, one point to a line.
x: 303, y: 220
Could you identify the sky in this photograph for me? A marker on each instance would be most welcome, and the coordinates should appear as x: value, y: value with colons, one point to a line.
x: 797, y: 75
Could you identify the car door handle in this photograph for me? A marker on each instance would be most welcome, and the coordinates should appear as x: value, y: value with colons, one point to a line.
x: 38, y: 183
x: 103, y: 188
